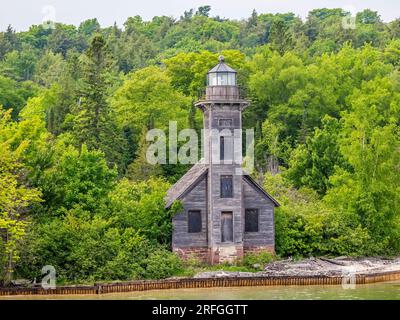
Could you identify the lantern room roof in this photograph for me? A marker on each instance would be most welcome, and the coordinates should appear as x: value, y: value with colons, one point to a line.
x: 222, y: 67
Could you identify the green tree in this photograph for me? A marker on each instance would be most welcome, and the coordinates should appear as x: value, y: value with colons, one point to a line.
x: 312, y: 164
x: 141, y: 205
x: 94, y: 120
x: 370, y: 144
x: 203, y: 11
x: 8, y: 42
x: 280, y: 37
x: 368, y: 16
x: 49, y: 69
x: 16, y: 197
x: 77, y: 178
x: 308, y: 226
x: 19, y: 65
x: 147, y: 100
x: 140, y: 169
x: 14, y: 95
x: 89, y: 27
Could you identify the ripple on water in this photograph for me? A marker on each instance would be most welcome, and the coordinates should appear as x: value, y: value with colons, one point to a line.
x: 379, y: 291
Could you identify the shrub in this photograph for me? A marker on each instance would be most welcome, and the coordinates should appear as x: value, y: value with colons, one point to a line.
x: 251, y: 260
x: 161, y: 264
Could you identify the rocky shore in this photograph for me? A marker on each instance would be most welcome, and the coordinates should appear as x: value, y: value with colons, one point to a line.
x: 315, y: 267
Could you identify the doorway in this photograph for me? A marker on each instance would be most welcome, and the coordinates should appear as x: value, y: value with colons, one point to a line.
x: 226, y: 226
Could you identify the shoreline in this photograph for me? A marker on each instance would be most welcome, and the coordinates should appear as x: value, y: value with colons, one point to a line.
x: 269, y: 277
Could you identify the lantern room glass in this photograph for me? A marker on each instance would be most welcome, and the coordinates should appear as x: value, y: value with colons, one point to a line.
x: 221, y: 79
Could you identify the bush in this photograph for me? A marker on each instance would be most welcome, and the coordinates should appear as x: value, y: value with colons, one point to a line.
x: 251, y: 260
x: 307, y: 226
x: 84, y: 248
x: 161, y: 264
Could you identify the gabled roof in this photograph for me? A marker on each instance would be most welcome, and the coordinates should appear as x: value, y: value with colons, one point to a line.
x: 194, y: 175
x: 184, y: 184
x: 261, y: 189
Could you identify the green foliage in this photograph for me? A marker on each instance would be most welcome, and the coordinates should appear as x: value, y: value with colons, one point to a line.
x: 8, y: 41
x: 76, y: 190
x: 13, y: 94
x: 78, y: 177
x: 307, y: 226
x: 147, y: 100
x: 91, y: 249
x: 312, y: 164
x: 258, y: 260
x: 141, y: 205
x: 19, y: 65
x: 15, y: 198
x: 370, y: 143
x: 162, y: 264
x: 93, y: 121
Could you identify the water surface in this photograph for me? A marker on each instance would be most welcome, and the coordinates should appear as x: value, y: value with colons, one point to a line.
x: 379, y: 291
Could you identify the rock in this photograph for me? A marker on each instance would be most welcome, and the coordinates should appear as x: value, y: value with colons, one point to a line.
x: 313, y: 267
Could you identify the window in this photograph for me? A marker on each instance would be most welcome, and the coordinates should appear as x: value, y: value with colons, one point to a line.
x: 251, y: 220
x: 222, y: 148
x: 226, y: 226
x: 221, y: 79
x: 194, y: 221
x: 226, y: 187
x: 226, y: 148
x: 225, y: 122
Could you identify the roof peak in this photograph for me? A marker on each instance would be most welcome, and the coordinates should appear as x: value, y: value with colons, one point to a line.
x: 222, y: 66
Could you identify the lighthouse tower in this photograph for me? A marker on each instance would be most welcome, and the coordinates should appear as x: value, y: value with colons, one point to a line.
x: 226, y: 214
x: 222, y: 109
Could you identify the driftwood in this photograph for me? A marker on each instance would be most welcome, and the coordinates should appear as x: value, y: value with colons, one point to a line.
x: 339, y: 263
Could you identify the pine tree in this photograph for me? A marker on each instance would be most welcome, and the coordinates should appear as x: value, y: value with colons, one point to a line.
x: 94, y: 122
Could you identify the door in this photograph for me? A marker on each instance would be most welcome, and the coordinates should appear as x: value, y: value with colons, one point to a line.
x: 226, y: 227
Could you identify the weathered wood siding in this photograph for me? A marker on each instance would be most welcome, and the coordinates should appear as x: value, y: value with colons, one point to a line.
x: 222, y: 93
x: 226, y: 204
x: 195, y: 199
x: 254, y: 199
x: 218, y: 204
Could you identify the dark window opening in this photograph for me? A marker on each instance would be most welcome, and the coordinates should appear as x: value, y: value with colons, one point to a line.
x: 226, y: 227
x: 251, y: 220
x: 222, y: 148
x: 194, y: 221
x: 226, y: 187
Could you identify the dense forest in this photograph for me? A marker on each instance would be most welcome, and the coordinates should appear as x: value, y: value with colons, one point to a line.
x: 77, y: 193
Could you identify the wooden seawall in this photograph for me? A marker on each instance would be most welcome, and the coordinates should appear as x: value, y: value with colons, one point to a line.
x: 190, y: 283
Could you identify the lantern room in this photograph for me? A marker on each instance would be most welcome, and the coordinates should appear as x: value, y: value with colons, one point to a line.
x: 222, y: 75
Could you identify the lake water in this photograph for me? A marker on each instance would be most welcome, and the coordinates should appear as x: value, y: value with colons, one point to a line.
x: 379, y: 291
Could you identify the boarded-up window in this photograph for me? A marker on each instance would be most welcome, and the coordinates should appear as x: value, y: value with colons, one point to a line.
x: 226, y: 147
x: 194, y: 221
x: 251, y: 220
x: 225, y: 122
x: 226, y: 187
x: 226, y: 226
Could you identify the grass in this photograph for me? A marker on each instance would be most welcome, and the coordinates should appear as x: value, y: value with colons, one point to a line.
x: 251, y: 263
